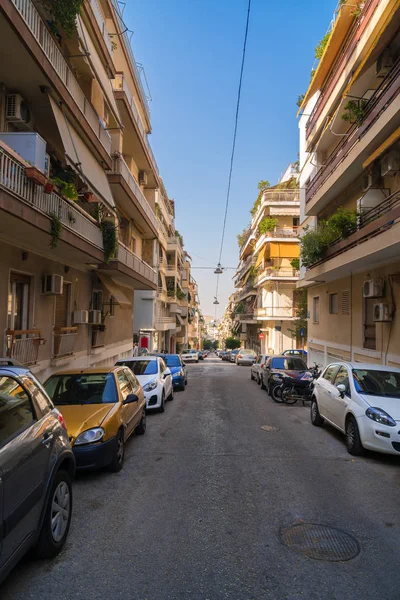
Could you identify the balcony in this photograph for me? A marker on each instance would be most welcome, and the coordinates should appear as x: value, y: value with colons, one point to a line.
x: 162, y: 233
x: 174, y: 243
x: 131, y: 270
x: 274, y: 312
x: 70, y: 88
x: 280, y: 202
x: 98, y: 15
x: 285, y: 234
x: 64, y: 341
x: 23, y: 345
x: 381, y: 117
x: 165, y: 208
x: 162, y: 294
x: 277, y: 273
x: 246, y: 291
x: 123, y: 94
x: 376, y: 236
x: 165, y: 323
x: 130, y: 197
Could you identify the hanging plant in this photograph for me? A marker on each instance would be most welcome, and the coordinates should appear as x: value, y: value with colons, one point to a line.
x: 67, y: 189
x: 55, y: 230
x: 63, y: 13
x: 110, y: 240
x: 71, y: 218
x: 355, y: 111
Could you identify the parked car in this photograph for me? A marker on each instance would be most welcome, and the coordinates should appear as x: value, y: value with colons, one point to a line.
x: 155, y: 378
x: 178, y: 369
x: 102, y: 408
x: 257, y: 366
x: 246, y: 357
x: 363, y: 402
x: 37, y: 467
x: 296, y: 352
x: 278, y: 365
x: 225, y: 355
x: 232, y: 356
x: 190, y: 356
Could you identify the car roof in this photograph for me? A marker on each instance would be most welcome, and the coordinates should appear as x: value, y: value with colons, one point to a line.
x: 365, y: 366
x: 87, y: 371
x: 13, y: 370
x: 135, y: 358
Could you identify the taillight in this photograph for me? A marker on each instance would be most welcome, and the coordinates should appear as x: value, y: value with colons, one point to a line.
x: 262, y: 365
x: 62, y: 421
x: 240, y: 356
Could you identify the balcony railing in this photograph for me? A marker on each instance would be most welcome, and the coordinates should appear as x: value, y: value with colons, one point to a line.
x: 386, y: 93
x: 23, y: 345
x: 275, y: 312
x: 14, y: 179
x: 135, y: 263
x: 120, y: 84
x: 121, y: 168
x: 42, y: 35
x: 102, y: 25
x: 272, y: 272
x: 282, y: 196
x: 64, y: 341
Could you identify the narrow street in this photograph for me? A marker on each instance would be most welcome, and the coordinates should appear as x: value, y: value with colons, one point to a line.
x: 198, y: 508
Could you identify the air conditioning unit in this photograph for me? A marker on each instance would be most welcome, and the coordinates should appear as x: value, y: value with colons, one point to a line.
x: 94, y: 317
x: 383, y: 312
x: 18, y: 112
x: 372, y: 178
x: 52, y: 285
x: 81, y: 317
x: 390, y: 164
x: 373, y: 288
x: 142, y: 178
x: 384, y: 63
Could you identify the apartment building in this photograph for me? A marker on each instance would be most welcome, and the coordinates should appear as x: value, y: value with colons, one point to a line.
x: 350, y: 188
x: 268, y: 270
x: 78, y: 186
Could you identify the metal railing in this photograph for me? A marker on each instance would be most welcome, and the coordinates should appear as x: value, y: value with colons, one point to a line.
x: 102, y: 25
x: 23, y: 345
x: 120, y: 84
x: 42, y: 35
x: 14, y: 179
x: 121, y: 168
x: 162, y: 232
x: 275, y: 312
x: 64, y: 341
x: 277, y: 196
x: 162, y: 203
x: 135, y: 263
x: 277, y: 272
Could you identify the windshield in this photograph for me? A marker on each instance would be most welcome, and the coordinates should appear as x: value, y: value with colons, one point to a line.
x: 289, y: 364
x: 90, y: 388
x: 141, y: 367
x: 173, y: 361
x: 247, y: 352
x: 377, y: 383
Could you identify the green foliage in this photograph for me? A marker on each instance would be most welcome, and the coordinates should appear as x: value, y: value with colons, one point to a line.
x: 231, y: 343
x: 312, y: 73
x: 300, y: 312
x: 263, y: 185
x: 241, y: 237
x: 300, y: 100
x: 110, y: 240
x: 315, y: 242
x: 267, y: 224
x: 239, y: 308
x: 55, y: 230
x: 170, y: 287
x: 320, y: 48
x: 179, y: 236
x: 67, y: 189
x: 355, y: 111
x: 64, y: 13
x: 295, y: 263
x: 180, y: 294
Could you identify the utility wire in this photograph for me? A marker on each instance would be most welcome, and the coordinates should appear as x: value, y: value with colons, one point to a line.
x: 234, y: 137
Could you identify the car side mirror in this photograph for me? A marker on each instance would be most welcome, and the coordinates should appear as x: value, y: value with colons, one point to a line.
x: 183, y: 364
x: 341, y: 389
x: 166, y: 373
x: 130, y: 399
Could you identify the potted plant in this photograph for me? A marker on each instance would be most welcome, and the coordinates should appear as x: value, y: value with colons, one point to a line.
x: 49, y: 186
x: 35, y: 175
x: 89, y: 197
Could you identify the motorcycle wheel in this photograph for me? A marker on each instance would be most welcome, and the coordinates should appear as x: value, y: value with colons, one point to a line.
x: 288, y: 396
x: 276, y: 393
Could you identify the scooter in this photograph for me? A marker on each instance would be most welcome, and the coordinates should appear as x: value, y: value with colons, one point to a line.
x: 292, y: 390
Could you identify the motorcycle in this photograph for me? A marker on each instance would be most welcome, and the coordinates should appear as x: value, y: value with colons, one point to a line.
x: 292, y: 389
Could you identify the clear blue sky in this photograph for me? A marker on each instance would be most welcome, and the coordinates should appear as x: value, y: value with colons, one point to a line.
x: 191, y: 52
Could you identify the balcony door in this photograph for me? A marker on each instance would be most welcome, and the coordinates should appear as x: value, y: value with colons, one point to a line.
x: 19, y: 293
x: 62, y: 316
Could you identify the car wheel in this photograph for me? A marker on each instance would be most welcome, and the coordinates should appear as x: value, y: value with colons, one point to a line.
x: 316, y: 418
x: 353, y: 440
x: 57, y: 518
x: 182, y: 388
x: 262, y: 383
x: 276, y: 393
x: 118, y: 461
x: 258, y: 380
x: 141, y: 428
x: 251, y: 375
x: 171, y: 396
x: 162, y: 407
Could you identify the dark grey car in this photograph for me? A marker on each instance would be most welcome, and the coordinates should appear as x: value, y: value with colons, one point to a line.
x: 279, y: 365
x: 36, y: 470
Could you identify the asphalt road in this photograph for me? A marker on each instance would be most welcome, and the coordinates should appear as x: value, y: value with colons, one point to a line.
x: 197, y: 511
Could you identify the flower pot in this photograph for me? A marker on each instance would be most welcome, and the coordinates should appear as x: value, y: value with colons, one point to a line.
x: 89, y: 197
x: 48, y: 188
x: 39, y: 341
x: 35, y: 175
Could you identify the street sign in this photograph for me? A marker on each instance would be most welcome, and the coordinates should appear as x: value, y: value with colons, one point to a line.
x: 302, y: 332
x: 261, y: 336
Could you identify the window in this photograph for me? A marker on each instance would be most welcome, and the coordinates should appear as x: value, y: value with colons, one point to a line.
x: 113, y: 303
x: 16, y: 410
x: 141, y: 367
x: 374, y: 382
x: 18, y: 301
x: 163, y: 366
x: 173, y: 360
x: 330, y: 373
x: 333, y: 304
x: 316, y: 309
x: 342, y: 378
x: 346, y: 302
x: 81, y: 388
x: 133, y: 381
x: 296, y: 221
x: 97, y: 300
x: 369, y: 326
x: 124, y: 384
x: 37, y: 393
x: 63, y: 308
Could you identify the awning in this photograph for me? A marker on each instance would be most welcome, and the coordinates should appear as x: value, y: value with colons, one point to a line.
x: 163, y: 280
x: 115, y: 291
x: 386, y: 144
x: 260, y: 258
x: 283, y: 250
x: 80, y: 157
x: 180, y: 320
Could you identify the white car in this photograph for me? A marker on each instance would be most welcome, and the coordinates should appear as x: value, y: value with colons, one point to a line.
x: 362, y: 401
x: 190, y: 356
x: 155, y: 378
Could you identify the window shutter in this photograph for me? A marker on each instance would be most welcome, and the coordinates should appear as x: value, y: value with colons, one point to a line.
x: 346, y: 302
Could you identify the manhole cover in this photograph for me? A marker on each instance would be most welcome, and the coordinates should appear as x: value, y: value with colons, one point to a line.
x: 269, y: 428
x: 321, y: 542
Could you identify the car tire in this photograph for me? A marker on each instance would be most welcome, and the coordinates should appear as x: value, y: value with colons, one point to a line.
x: 251, y: 376
x: 262, y: 383
x: 171, y: 396
x: 141, y: 428
x: 61, y: 491
x: 258, y: 380
x: 118, y: 461
x: 162, y: 407
x: 276, y: 394
x: 353, y: 440
x: 315, y: 417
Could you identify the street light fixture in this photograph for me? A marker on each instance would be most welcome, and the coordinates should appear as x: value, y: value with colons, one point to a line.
x: 215, y: 300
x: 219, y: 270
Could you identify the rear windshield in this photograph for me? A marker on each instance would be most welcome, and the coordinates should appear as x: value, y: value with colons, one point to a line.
x: 141, y: 367
x: 247, y: 352
x: 93, y: 388
x: 290, y: 364
x: 377, y: 383
x: 172, y: 361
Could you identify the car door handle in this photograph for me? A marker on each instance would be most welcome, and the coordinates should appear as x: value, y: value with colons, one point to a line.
x: 47, y: 439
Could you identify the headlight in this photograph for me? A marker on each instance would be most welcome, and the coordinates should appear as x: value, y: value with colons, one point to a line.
x: 380, y: 416
x: 150, y: 386
x: 276, y: 376
x: 90, y: 436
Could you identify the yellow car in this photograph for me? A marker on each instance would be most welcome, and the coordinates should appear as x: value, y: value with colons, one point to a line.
x: 102, y: 407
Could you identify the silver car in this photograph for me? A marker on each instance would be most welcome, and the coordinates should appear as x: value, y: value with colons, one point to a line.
x: 246, y: 357
x: 257, y: 367
x: 37, y: 467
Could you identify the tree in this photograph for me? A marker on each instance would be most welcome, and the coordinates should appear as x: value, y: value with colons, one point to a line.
x: 263, y: 185
x: 231, y: 343
x: 207, y: 345
x: 300, y: 309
